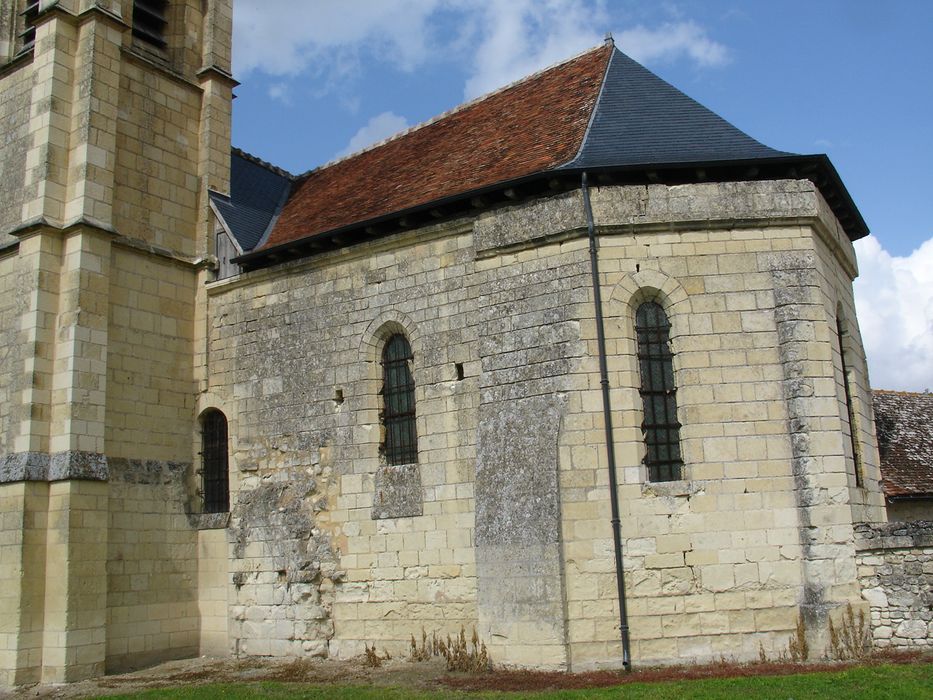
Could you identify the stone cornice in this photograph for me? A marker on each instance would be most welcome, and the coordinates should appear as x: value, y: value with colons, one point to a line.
x: 213, y: 72
x: 41, y: 224
x: 32, y: 226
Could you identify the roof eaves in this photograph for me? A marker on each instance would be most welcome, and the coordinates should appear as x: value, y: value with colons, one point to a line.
x: 259, y: 253
x: 789, y: 161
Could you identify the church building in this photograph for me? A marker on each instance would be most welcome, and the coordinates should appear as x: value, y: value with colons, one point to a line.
x: 575, y: 364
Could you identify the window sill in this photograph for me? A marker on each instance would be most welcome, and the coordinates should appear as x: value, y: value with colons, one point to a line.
x: 14, y: 62
x: 680, y: 488
x: 209, y: 521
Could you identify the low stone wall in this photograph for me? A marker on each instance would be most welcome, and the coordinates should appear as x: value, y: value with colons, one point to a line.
x: 895, y: 569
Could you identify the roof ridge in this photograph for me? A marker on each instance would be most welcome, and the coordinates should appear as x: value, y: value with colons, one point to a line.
x: 256, y: 160
x: 896, y: 392
x: 608, y: 43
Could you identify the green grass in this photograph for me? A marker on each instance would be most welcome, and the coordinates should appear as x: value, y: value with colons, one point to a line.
x: 884, y: 682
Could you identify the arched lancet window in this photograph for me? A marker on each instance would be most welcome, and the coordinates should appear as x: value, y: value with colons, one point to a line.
x: 659, y: 395
x: 850, y: 425
x: 398, y: 395
x: 215, y: 486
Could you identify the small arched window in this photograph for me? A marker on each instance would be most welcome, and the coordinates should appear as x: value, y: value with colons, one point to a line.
x: 398, y: 396
x: 215, y: 480
x: 660, y: 428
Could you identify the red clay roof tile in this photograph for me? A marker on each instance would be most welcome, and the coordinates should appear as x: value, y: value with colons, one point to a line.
x: 529, y: 127
x: 904, y: 422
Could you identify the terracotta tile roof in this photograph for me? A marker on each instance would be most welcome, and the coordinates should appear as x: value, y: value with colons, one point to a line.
x: 904, y: 422
x: 531, y: 126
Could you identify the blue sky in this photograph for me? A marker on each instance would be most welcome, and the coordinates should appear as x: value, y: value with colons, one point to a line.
x: 848, y: 78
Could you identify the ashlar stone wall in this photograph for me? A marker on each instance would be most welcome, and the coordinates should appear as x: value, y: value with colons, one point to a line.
x: 16, y: 88
x: 14, y: 283
x: 316, y: 567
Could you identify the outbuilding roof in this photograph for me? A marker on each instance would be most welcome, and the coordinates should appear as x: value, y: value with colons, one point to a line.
x: 600, y: 111
x: 904, y: 422
x: 258, y: 192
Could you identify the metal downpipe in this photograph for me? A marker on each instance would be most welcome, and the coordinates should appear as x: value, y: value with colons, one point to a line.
x: 607, y: 420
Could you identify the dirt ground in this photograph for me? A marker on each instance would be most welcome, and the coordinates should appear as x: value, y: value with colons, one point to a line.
x: 398, y: 672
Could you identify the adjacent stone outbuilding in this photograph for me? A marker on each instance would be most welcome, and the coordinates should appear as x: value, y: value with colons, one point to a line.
x: 904, y: 422
x: 896, y: 574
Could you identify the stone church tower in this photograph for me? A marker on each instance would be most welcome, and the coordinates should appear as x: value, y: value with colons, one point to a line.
x: 114, y: 122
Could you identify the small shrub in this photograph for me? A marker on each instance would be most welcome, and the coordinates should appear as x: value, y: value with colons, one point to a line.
x: 797, y: 647
x: 429, y: 647
x: 460, y: 656
x: 372, y: 657
x: 853, y: 638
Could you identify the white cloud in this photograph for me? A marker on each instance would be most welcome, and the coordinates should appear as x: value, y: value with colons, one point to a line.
x: 672, y: 41
x: 284, y: 37
x: 894, y: 298
x: 280, y: 92
x: 500, y: 40
x: 380, y: 127
x: 518, y: 37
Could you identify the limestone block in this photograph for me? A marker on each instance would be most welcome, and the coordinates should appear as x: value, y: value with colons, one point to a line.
x: 911, y: 629
x: 876, y: 597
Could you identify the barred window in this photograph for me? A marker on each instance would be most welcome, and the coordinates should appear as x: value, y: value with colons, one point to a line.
x: 658, y: 394
x: 214, y: 475
x: 398, y: 396
x: 149, y: 21
x: 850, y: 425
x: 30, y: 13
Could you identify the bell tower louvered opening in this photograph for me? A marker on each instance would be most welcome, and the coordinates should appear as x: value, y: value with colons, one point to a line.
x: 149, y: 21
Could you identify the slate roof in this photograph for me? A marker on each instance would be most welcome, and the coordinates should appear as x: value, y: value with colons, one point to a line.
x: 258, y: 191
x: 904, y: 422
x: 642, y: 120
x: 600, y: 112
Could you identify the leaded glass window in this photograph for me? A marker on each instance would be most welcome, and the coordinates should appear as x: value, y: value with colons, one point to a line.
x: 660, y: 428
x: 398, y: 395
x: 214, y: 475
